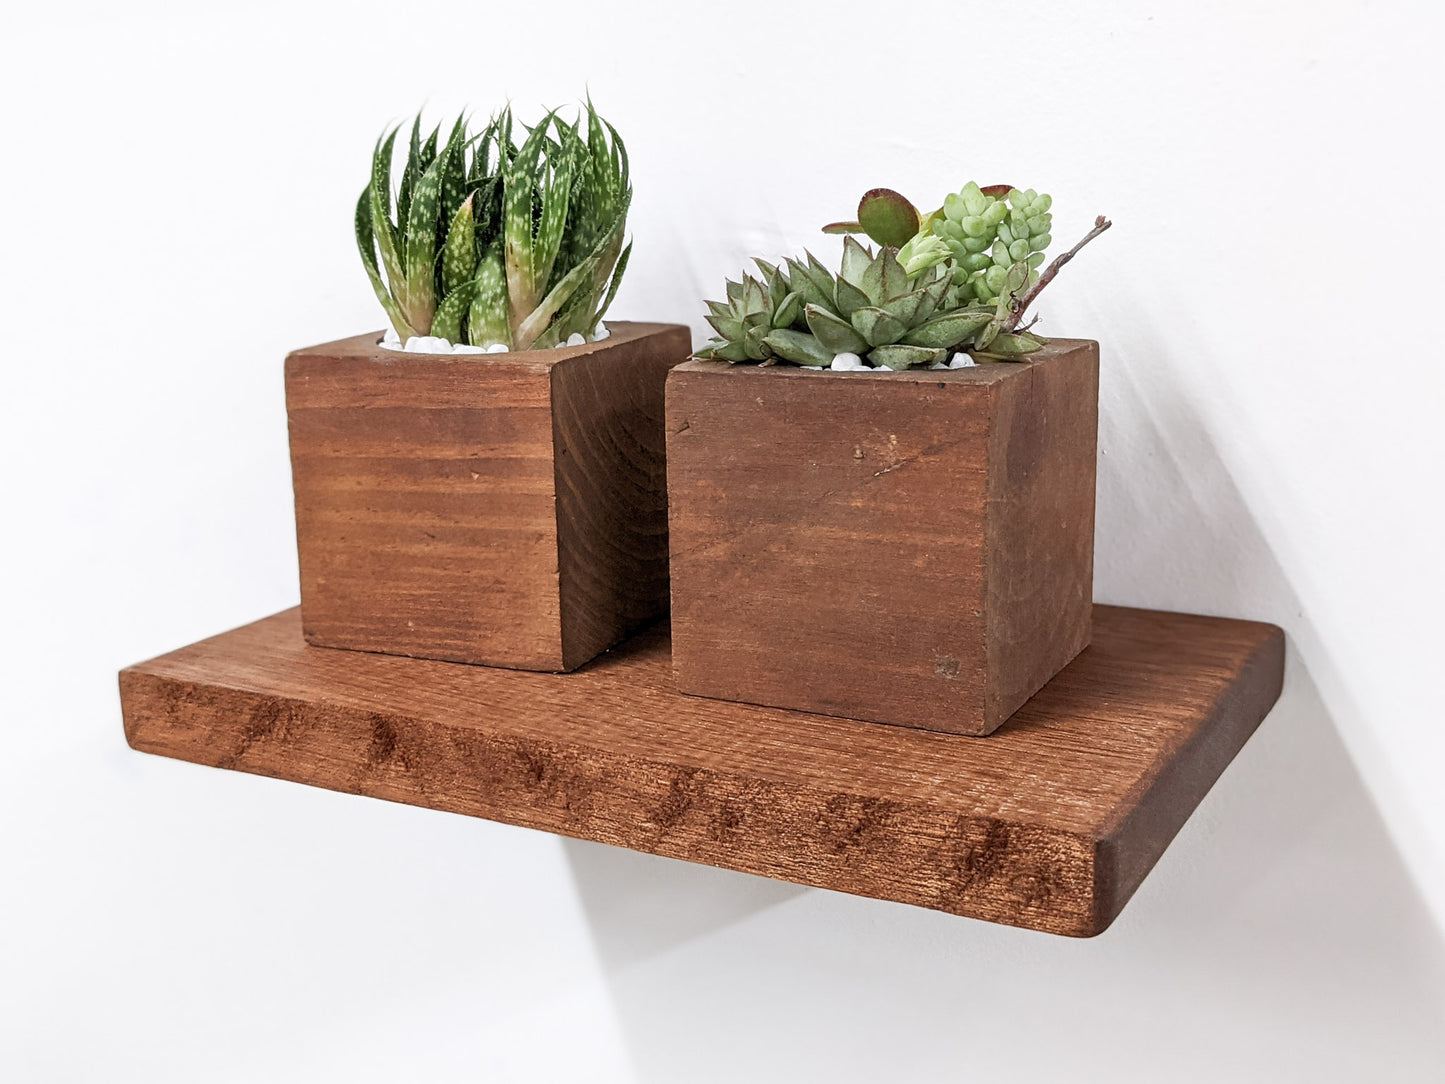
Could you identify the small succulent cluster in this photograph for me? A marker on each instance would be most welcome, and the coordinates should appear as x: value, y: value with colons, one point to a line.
x: 987, y: 231
x: 492, y: 243
x: 872, y: 308
x: 958, y: 279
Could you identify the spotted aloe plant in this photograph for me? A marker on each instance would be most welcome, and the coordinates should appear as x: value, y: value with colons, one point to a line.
x: 495, y: 243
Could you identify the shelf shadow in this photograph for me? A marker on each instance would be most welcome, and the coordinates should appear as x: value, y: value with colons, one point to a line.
x: 1281, y: 928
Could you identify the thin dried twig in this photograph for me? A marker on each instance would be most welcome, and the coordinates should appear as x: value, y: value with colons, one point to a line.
x: 1100, y: 225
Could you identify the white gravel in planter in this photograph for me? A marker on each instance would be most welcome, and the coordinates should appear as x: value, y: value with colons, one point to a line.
x: 431, y: 344
x: 852, y: 363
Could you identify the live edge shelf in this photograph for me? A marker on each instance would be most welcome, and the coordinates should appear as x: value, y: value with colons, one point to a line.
x: 1051, y: 823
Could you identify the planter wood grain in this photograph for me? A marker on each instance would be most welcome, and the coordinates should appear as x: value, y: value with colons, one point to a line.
x: 912, y: 548
x: 507, y: 509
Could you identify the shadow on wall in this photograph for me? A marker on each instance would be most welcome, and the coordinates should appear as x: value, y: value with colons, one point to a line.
x: 1279, y: 938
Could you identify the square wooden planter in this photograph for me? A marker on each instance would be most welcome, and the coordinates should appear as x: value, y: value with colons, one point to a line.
x: 507, y: 509
x: 912, y: 548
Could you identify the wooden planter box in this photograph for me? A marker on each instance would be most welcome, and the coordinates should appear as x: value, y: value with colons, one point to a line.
x: 507, y: 509
x: 912, y: 548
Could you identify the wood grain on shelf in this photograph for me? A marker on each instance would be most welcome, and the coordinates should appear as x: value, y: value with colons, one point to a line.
x: 913, y: 548
x: 1050, y: 823
x: 507, y: 509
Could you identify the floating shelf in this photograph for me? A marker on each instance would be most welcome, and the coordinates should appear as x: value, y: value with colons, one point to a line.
x: 1051, y: 823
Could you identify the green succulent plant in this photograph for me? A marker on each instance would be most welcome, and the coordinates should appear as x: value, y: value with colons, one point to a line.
x: 496, y: 243
x: 873, y: 308
x: 987, y: 232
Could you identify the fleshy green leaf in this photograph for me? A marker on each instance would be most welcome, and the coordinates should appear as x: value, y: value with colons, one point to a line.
x: 800, y: 279
x: 726, y: 351
x: 798, y: 347
x: 887, y: 217
x: 848, y: 298
x: 898, y: 356
x: 906, y: 307
x: 1017, y: 277
x: 947, y: 330
x: 835, y: 334
x: 787, y: 313
x: 487, y: 320
x: 878, y: 328
x: 447, y: 323
x: 366, y: 243
x: 856, y: 259
x: 1009, y: 345
x: 459, y: 253
x: 421, y: 246
x: 885, y: 278
x: 411, y: 173
x: 383, y: 228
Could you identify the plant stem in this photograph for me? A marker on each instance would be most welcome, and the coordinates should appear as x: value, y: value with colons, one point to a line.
x: 1100, y: 225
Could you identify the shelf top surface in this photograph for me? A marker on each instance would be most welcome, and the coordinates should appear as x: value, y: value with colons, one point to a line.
x: 1074, y: 759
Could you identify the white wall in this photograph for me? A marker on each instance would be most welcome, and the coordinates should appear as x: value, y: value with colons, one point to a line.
x: 177, y: 195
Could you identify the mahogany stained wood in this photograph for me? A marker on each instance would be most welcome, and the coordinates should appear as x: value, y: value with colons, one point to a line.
x: 1050, y: 823
x: 913, y: 548
x: 507, y: 509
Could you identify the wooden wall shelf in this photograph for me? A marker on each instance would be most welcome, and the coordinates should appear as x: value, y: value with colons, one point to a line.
x: 1051, y: 823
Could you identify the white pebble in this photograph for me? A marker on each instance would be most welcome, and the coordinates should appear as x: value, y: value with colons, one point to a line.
x: 810, y: 366
x: 958, y: 361
x: 427, y: 344
x: 497, y: 348
x: 463, y: 348
x: 601, y: 332
x: 575, y: 339
x: 849, y: 363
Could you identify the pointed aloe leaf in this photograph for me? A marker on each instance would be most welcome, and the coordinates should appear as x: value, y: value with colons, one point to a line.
x: 556, y: 178
x: 447, y: 323
x: 753, y: 341
x: 856, y: 259
x: 906, y: 307
x: 773, y: 278
x: 895, y: 279
x: 487, y: 318
x: 813, y: 280
x: 383, y: 228
x: 948, y: 330
x: 520, y: 187
x: 887, y: 217
x: 877, y: 327
x: 798, y: 347
x: 454, y: 172
x: 611, y: 289
x: 459, y: 252
x: 754, y: 297
x: 786, y: 314
x: 799, y: 281
x: 366, y: 243
x: 421, y: 246
x: 1012, y: 345
x: 725, y: 351
x: 535, y: 322
x: 835, y: 334
x: 848, y: 298
x: 729, y: 327
x: 897, y: 356
x: 411, y: 173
